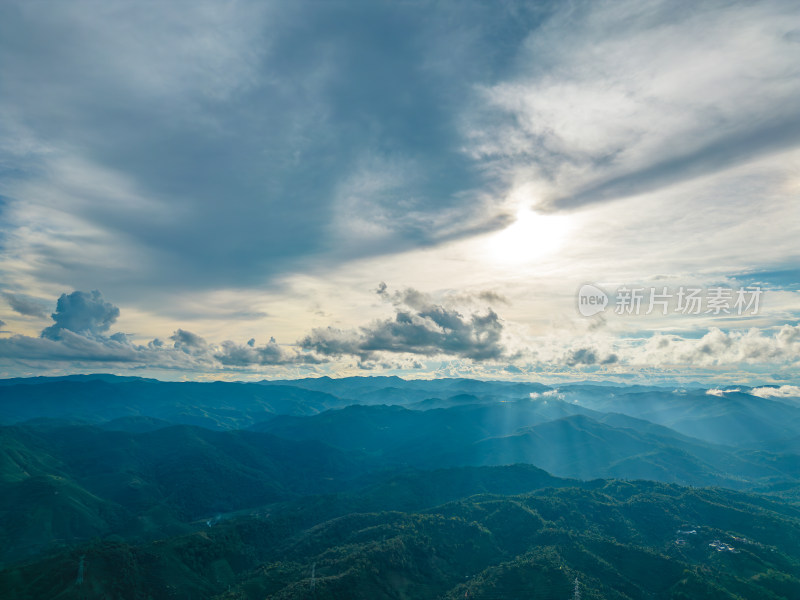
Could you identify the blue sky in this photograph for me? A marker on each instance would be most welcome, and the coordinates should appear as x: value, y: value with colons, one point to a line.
x: 252, y: 189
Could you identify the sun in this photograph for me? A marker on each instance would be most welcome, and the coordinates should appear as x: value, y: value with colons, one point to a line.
x: 530, y: 237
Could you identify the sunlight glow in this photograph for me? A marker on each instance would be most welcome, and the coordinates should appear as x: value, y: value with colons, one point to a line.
x: 530, y: 237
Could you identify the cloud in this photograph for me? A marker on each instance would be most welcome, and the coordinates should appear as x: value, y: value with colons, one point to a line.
x: 720, y: 393
x: 188, y: 342
x: 419, y: 326
x: 395, y: 364
x: 617, y: 99
x: 784, y: 391
x: 717, y: 347
x: 70, y: 347
x: 80, y: 336
x: 25, y: 305
x: 83, y: 313
x: 471, y: 298
x: 280, y: 131
x: 492, y: 297
x: 548, y: 394
x: 271, y: 353
x: 754, y: 351
x: 588, y: 356
x: 244, y: 152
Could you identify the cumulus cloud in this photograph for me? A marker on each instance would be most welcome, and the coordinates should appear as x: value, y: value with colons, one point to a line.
x: 271, y: 353
x: 419, y: 326
x: 188, y: 342
x: 25, y: 305
x: 80, y: 335
x: 83, y: 313
x: 231, y: 354
x: 784, y: 391
x: 472, y: 341
x: 751, y: 349
x: 719, y: 347
x: 588, y: 356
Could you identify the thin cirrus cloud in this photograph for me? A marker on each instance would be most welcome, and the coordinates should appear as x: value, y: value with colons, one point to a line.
x: 620, y: 99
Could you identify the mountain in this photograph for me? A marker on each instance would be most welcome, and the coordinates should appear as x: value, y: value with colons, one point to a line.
x: 394, y: 390
x: 388, y: 429
x: 71, y: 483
x: 731, y: 418
x: 734, y: 418
x: 562, y: 438
x: 392, y: 488
x: 615, y: 540
x: 215, y: 405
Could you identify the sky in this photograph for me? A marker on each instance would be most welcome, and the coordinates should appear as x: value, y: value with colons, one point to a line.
x: 256, y: 190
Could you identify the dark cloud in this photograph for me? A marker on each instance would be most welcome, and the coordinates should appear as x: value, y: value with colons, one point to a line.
x: 407, y: 297
x: 493, y: 297
x: 259, y: 123
x: 69, y: 347
x: 232, y: 354
x: 418, y: 300
x: 80, y: 336
x: 418, y: 327
x: 390, y: 365
x: 588, y: 357
x: 25, y: 305
x: 187, y: 341
x: 83, y: 313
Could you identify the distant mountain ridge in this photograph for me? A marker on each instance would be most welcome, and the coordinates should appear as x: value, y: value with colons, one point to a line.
x: 86, y: 457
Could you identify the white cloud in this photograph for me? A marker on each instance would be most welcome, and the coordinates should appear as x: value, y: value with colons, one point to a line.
x: 718, y: 347
x: 615, y: 98
x: 720, y: 393
x: 784, y: 391
x: 545, y: 395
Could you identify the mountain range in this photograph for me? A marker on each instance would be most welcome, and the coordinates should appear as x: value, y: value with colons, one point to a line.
x: 467, y: 487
